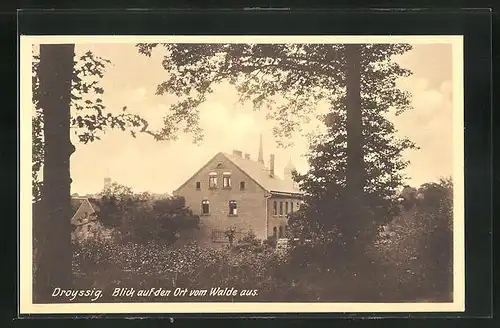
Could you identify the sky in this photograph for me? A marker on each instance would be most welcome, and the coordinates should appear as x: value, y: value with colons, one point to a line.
x: 160, y: 167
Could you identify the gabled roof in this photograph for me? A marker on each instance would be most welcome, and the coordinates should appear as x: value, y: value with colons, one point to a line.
x: 75, y: 204
x: 258, y: 172
x: 78, y: 202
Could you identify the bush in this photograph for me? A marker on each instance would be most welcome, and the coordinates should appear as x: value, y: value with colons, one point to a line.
x: 270, y: 241
x: 105, y: 264
x: 415, y: 250
x: 140, y: 219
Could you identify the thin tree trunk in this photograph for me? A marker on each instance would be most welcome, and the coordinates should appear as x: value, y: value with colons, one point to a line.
x: 53, y: 226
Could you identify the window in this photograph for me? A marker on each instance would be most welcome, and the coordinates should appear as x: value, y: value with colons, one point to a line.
x: 198, y: 185
x: 205, y: 207
x: 275, y: 208
x: 242, y: 185
x: 291, y: 206
x: 233, y: 210
x: 286, y: 207
x: 226, y: 180
x: 212, y: 180
x: 281, y: 232
x: 281, y: 208
x: 274, y: 231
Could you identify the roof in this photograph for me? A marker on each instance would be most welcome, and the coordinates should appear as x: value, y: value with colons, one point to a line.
x: 289, y: 166
x: 95, y: 204
x: 77, y: 202
x: 258, y: 172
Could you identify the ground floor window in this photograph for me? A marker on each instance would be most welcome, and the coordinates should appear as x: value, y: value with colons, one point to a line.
x: 233, y: 210
x: 205, y: 207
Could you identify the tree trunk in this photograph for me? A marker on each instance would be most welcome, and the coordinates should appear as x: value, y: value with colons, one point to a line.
x: 355, y: 164
x: 53, y: 226
x: 358, y: 223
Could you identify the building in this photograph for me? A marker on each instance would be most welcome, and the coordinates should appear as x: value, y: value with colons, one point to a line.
x: 234, y: 191
x: 84, y: 221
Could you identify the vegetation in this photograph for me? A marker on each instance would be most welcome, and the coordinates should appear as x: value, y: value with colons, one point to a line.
x: 351, y: 212
x: 356, y: 165
x: 141, y: 219
x: 411, y: 260
x: 66, y: 96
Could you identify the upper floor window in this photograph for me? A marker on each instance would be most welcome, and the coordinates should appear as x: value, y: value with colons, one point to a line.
x: 212, y: 180
x: 291, y: 206
x: 205, y: 206
x: 198, y: 185
x: 275, y: 208
x: 226, y: 180
x: 242, y: 185
x: 281, y: 208
x: 233, y: 207
x: 286, y: 207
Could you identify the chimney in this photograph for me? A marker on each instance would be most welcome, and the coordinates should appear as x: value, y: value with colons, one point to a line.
x: 247, y: 156
x: 237, y: 153
x: 271, y: 166
x: 261, y: 152
x: 107, y: 183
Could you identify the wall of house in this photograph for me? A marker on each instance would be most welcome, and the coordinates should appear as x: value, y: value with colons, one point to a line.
x: 84, y: 222
x: 86, y: 231
x: 82, y: 213
x: 251, y: 202
x: 279, y: 219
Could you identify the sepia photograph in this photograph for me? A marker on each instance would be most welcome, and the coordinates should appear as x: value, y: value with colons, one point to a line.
x: 243, y: 174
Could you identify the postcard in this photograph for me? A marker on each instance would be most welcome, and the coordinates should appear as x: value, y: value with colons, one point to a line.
x: 241, y: 174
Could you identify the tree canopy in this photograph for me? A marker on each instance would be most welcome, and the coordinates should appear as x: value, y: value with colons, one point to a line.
x: 141, y: 218
x: 90, y: 118
x: 288, y: 80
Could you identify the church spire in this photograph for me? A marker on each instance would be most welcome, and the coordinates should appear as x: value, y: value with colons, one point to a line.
x: 261, y: 152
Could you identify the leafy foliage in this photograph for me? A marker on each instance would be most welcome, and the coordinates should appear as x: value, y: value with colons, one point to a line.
x: 90, y: 118
x: 288, y: 80
x: 412, y: 256
x: 326, y: 203
x: 417, y: 246
x: 106, y: 264
x: 142, y: 219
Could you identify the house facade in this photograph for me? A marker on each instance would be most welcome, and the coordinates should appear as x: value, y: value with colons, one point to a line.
x: 234, y: 191
x: 84, y: 221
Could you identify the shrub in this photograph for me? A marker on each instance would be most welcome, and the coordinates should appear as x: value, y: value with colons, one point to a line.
x: 106, y: 264
x: 270, y: 241
x: 415, y: 250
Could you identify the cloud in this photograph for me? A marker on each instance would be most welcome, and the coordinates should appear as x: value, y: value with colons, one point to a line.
x: 429, y: 125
